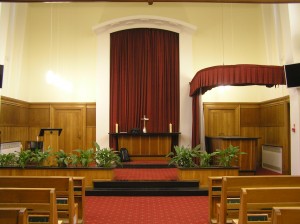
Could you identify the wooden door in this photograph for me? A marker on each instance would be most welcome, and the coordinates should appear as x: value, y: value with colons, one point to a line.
x: 71, y: 120
x: 222, y: 120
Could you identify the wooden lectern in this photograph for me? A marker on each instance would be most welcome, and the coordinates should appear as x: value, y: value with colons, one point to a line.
x: 50, y: 139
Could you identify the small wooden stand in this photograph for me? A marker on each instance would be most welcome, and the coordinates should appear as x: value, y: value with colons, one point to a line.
x: 50, y: 136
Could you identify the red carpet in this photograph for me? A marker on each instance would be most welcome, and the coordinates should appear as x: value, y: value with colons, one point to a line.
x: 146, y: 174
x: 147, y: 210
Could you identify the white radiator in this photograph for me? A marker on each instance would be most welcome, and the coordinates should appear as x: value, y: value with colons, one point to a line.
x: 272, y: 158
x: 10, y: 147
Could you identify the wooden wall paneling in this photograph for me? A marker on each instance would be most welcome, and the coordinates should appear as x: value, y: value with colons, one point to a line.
x: 90, y: 137
x: 275, y: 128
x: 72, y: 119
x: 39, y: 115
x: 91, y: 115
x: 222, y: 119
x: 90, y: 125
x: 13, y: 112
x: 12, y: 134
x: 267, y: 120
x: 286, y: 158
x: 13, y: 120
x: 250, y: 115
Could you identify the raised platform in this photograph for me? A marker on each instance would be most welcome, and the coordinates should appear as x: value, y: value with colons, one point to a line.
x: 146, y: 164
x: 146, y: 188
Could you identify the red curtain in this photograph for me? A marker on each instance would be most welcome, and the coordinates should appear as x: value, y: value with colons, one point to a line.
x: 195, y: 121
x: 144, y: 80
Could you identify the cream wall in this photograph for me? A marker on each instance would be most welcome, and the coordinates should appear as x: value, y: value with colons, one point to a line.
x: 60, y: 38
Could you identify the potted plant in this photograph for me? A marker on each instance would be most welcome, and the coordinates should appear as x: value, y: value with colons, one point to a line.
x: 106, y: 157
x: 8, y: 159
x: 62, y: 158
x: 23, y: 157
x: 184, y: 156
x: 38, y: 156
x: 83, y: 157
x: 206, y: 158
x: 227, y: 157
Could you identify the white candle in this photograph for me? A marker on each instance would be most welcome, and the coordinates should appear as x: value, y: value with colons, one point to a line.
x: 170, y: 128
x: 117, y: 128
x: 37, y: 138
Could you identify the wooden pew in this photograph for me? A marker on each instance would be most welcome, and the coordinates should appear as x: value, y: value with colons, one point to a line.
x: 13, y: 216
x: 38, y: 201
x: 79, y: 191
x: 214, y: 196
x: 231, y: 187
x: 286, y: 215
x: 64, y: 187
x: 258, y: 201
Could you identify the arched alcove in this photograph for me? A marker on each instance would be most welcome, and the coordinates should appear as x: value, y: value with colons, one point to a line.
x: 103, y: 32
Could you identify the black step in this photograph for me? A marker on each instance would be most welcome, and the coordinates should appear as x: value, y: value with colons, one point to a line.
x: 144, y: 184
x: 146, y: 188
x: 147, y: 192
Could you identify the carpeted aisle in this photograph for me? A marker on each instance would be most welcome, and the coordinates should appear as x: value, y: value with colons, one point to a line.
x: 146, y: 174
x: 147, y: 210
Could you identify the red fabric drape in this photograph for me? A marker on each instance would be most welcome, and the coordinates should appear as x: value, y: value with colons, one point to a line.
x: 144, y: 80
x: 196, y: 121
x: 237, y: 75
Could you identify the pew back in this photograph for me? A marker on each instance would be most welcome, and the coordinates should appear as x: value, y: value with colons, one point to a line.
x: 286, y: 215
x: 13, y: 216
x: 261, y: 200
x: 38, y: 201
x: 79, y: 191
x: 64, y: 189
x: 232, y: 185
x: 214, y: 196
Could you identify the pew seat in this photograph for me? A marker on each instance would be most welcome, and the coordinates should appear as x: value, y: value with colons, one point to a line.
x: 285, y: 215
x: 13, y: 215
x: 37, y: 201
x: 228, y: 208
x: 64, y: 187
x: 258, y: 203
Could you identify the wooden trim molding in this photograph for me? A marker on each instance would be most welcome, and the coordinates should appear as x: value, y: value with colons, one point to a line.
x: 151, y: 2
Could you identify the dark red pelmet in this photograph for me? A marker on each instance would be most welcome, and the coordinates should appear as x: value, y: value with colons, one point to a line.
x: 237, y: 75
x: 144, y: 80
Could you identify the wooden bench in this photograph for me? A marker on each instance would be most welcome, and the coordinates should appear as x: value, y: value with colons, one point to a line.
x: 64, y: 187
x: 286, y: 215
x: 256, y: 203
x: 214, y: 196
x: 79, y: 192
x: 39, y: 202
x: 13, y: 216
x: 228, y: 208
